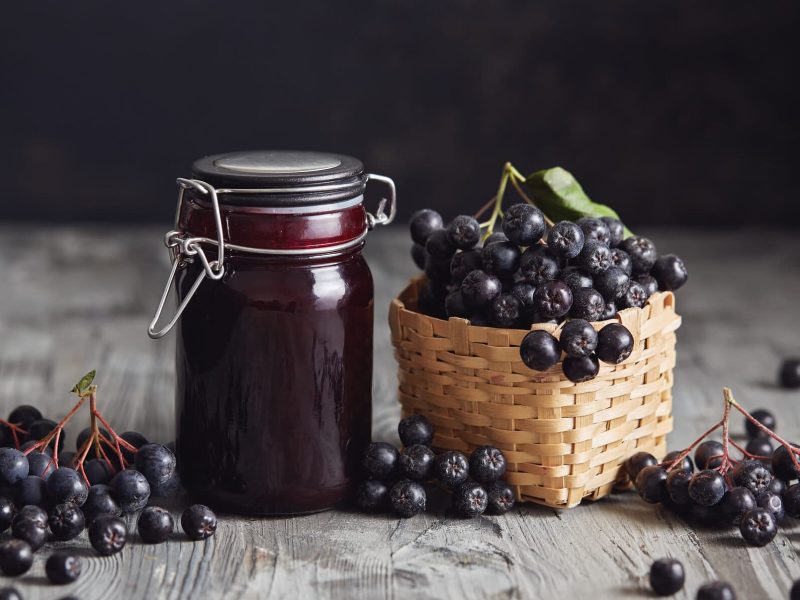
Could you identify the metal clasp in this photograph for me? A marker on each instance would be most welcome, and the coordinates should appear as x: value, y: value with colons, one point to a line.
x: 380, y: 217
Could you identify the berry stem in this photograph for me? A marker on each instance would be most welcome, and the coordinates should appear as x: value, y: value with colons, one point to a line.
x: 484, y: 208
x: 497, y: 211
x: 520, y: 191
x: 15, y: 431
x: 45, y: 441
x: 748, y: 454
x: 669, y: 465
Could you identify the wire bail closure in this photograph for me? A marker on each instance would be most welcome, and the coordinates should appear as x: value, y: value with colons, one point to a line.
x: 183, y: 248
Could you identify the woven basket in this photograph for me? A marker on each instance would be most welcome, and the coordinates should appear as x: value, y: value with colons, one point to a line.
x: 563, y: 441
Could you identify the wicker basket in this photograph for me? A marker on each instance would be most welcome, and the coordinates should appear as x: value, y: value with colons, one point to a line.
x: 563, y: 441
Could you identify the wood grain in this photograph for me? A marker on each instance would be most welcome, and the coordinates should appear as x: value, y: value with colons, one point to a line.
x: 78, y: 298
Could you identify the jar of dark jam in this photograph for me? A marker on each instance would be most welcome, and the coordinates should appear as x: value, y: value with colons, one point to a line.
x: 274, y: 329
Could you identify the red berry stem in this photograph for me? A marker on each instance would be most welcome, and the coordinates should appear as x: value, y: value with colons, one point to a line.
x: 16, y: 430
x: 56, y: 432
x: 670, y: 464
x: 749, y: 454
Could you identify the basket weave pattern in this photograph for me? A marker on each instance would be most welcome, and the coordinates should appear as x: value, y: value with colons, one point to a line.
x: 563, y: 441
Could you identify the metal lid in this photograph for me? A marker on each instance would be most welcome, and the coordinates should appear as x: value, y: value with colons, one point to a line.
x: 282, y: 177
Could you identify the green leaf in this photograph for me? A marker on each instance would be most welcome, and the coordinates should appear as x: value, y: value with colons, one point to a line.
x: 562, y: 198
x: 84, y: 383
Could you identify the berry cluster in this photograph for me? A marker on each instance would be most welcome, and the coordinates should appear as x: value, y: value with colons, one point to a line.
x: 754, y: 492
x: 536, y: 271
x: 396, y: 479
x: 667, y: 577
x: 48, y: 493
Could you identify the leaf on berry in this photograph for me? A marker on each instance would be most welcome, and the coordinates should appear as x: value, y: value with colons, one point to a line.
x: 562, y: 198
x: 84, y: 383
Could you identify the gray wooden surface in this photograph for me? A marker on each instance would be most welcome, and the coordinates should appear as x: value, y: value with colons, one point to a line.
x: 75, y: 299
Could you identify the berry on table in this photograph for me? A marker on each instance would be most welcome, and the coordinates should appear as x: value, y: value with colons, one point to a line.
x: 504, y: 311
x: 108, y: 535
x: 29, y: 531
x: 487, y: 464
x: 594, y: 258
x: 66, y: 485
x: 773, y: 503
x: 763, y: 416
x: 614, y: 343
x: 578, y: 338
x: 501, y: 498
x: 501, y: 259
x: 666, y: 576
x: 407, y: 498
x: 62, y: 568
x: 651, y: 483
x: 480, y: 288
x: 130, y: 490
x: 464, y: 232
x: 155, y: 525
x: 642, y: 252
x: 372, y: 495
x: 66, y: 521
x: 580, y: 368
x: 452, y: 468
x: 707, y: 487
x: 565, y: 239
x: 539, y: 350
x: 553, y: 299
x: 199, y: 522
x: 736, y: 503
x: 13, y: 466
x: 670, y: 272
x: 708, y: 454
x: 753, y: 475
x: 678, y: 486
x: 417, y: 461
x: 716, y: 590
x: 16, y: 557
x: 523, y: 224
x: 470, y: 499
x: 783, y: 465
x: 637, y: 462
x: 156, y: 463
x: 380, y: 460
x: 415, y: 429
x: 791, y: 501
x: 423, y: 223
x: 795, y: 591
x: 99, y: 503
x: 595, y: 230
x: 11, y: 593
x: 615, y: 229
x: 789, y: 374
x: 758, y: 527
x: 588, y: 304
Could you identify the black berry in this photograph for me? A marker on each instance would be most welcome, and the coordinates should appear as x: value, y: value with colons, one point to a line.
x: 634, y: 296
x: 763, y: 416
x: 708, y: 454
x: 6, y: 513
x: 464, y: 232
x: 480, y: 288
x: 615, y: 229
x: 108, y: 535
x: 487, y: 464
x: 62, y: 568
x: 130, y: 490
x: 580, y: 369
x: 438, y: 245
x: 31, y: 490
x: 594, y: 258
x: 651, y: 483
x: 156, y: 463
x: 707, y: 487
x: 758, y: 527
x: 789, y: 374
x: 612, y: 283
x: 463, y: 263
x: 31, y: 513
x: 578, y: 338
x: 66, y: 521
x: 783, y: 463
x: 565, y: 239
x: 24, y: 416
x: 753, y: 475
x: 716, y: 590
x: 621, y: 260
x: 372, y: 495
x: 642, y: 252
x: 773, y: 503
x: 595, y: 230
x: 407, y: 498
x: 791, y: 501
x: 678, y: 486
x: 380, y: 460
x: 524, y: 293
x: 418, y: 255
x: 199, y: 522
x: 539, y: 350
x: 423, y: 223
x: 576, y: 279
x: 470, y: 499
x: 452, y: 468
x: 666, y: 576
x: 99, y: 503
x: 587, y: 303
x: 66, y: 485
x: 538, y: 267
x: 455, y: 306
x: 553, y: 299
x: 637, y: 462
x: 736, y: 503
x: 155, y: 525
x: 614, y: 343
x: 415, y: 429
x: 417, y: 461
x: 16, y: 557
x: 97, y: 471
x: 504, y: 311
x: 501, y: 498
x: 670, y: 272
x: 686, y: 464
x: 523, y: 224
x: 501, y: 259
x: 648, y: 282
x: 759, y: 446
x: 13, y: 466
x: 29, y: 531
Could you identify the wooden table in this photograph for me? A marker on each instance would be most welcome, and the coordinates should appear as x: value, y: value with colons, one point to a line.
x: 73, y: 299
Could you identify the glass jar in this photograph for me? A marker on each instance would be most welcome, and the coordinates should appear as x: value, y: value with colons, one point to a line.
x: 274, y: 329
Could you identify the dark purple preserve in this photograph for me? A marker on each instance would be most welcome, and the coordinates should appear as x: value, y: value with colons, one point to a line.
x: 274, y: 342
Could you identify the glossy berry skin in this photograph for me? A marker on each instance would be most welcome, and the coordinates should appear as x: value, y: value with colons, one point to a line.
x: 12, y: 593
x: 156, y: 463
x: 648, y: 282
x: 30, y: 491
x: 610, y: 311
x: 24, y: 416
x: 66, y: 485
x: 642, y: 252
x: 524, y: 293
x: 84, y: 435
x: 651, y: 483
x: 470, y: 499
x: 594, y: 258
x: 716, y: 590
x: 670, y: 272
x: 667, y: 576
x: 62, y: 568
x: 580, y: 369
x: 538, y: 267
x: 763, y: 416
x: 614, y: 343
x: 439, y: 246
x: 789, y: 374
x: 407, y: 498
x: 523, y: 224
x: 707, y: 487
x: 782, y: 464
x: 791, y: 501
x: 13, y: 466
x: 578, y: 338
x: 415, y: 429
x: 637, y: 462
x: 452, y: 468
x: 418, y: 255
x: 553, y: 299
x: 423, y: 223
x: 108, y: 535
x: 615, y: 229
x: 773, y: 503
x: 464, y: 232
x: 539, y: 350
x: 6, y: 513
x: 758, y: 527
x: 708, y: 454
x: 504, y: 311
x: 29, y: 531
x: 199, y: 522
x: 760, y: 446
x: 66, y: 521
x: 736, y: 503
x: 588, y: 304
x: 497, y: 236
x: 678, y: 486
x: 501, y: 259
x: 565, y: 239
x: 487, y: 464
x: 31, y: 513
x: 777, y: 487
x: 612, y: 283
x: 454, y: 305
x: 99, y: 502
x: 40, y: 428
x: 634, y: 296
x: 594, y: 230
x: 130, y: 490
x: 621, y: 261
x: 372, y: 495
x: 416, y: 462
x: 501, y: 498
x: 40, y: 464
x: 155, y: 525
x: 463, y: 263
x: 576, y: 279
x: 753, y: 475
x: 686, y: 464
x: 16, y: 557
x: 479, y: 289
x: 380, y: 460
x: 97, y: 471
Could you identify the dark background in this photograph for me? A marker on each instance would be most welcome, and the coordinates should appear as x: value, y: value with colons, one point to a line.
x: 674, y: 112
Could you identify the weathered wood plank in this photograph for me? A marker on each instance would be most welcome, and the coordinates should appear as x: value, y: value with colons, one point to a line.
x: 74, y: 299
